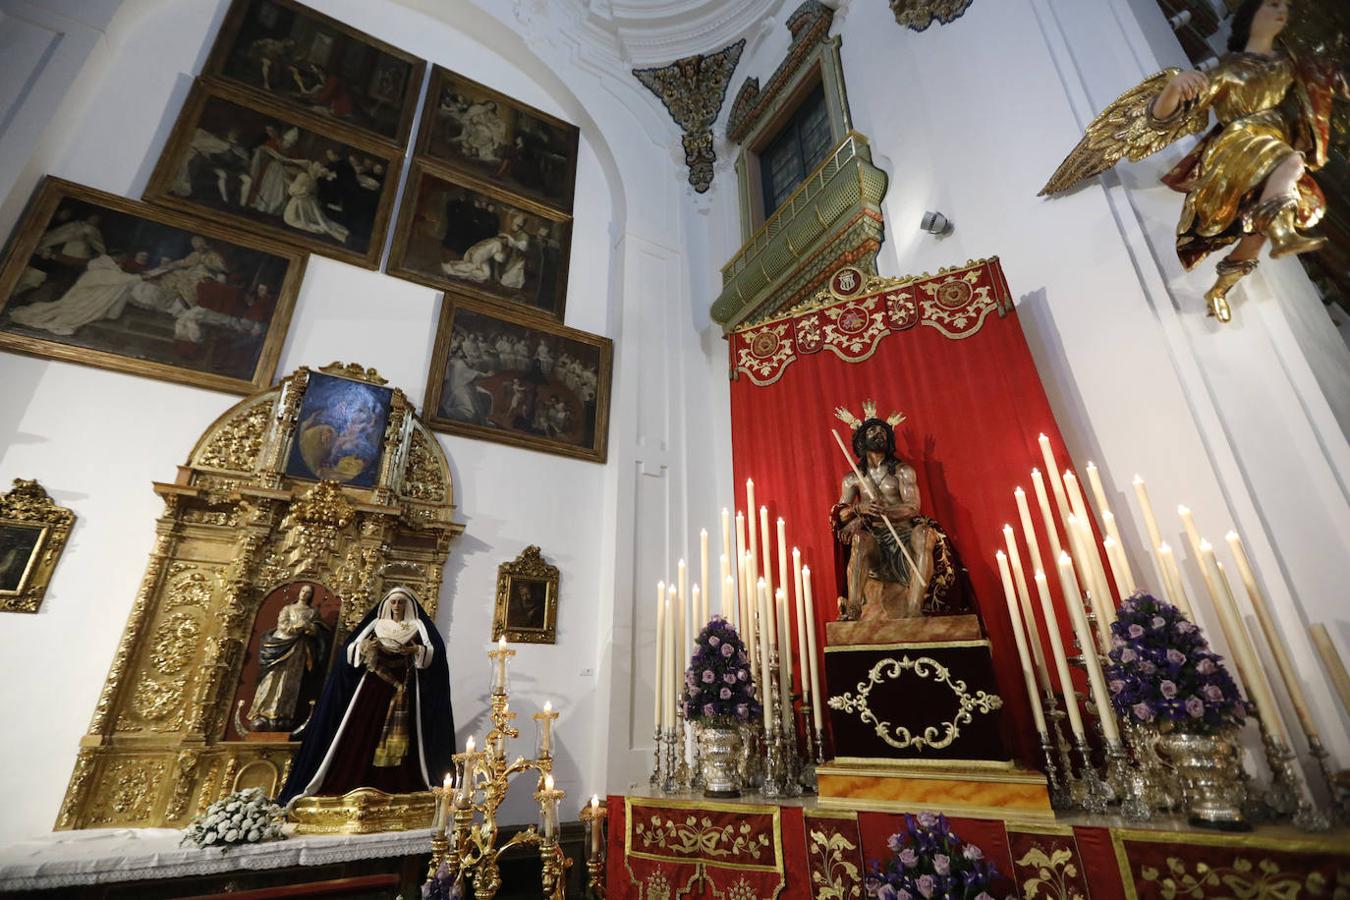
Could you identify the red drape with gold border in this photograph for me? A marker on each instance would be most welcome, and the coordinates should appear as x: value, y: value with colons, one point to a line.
x: 949, y: 353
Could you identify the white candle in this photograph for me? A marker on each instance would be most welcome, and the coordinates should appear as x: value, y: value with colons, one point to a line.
x: 1056, y: 485
x: 765, y: 689
x: 766, y: 545
x: 595, y: 825
x: 703, y: 571
x: 724, y: 578
x: 804, y: 667
x: 1015, y: 615
x: 752, y: 546
x: 500, y: 683
x: 1028, y: 530
x: 1061, y: 661
x: 660, y: 653
x: 1188, y: 523
x: 728, y: 608
x: 1047, y: 517
x: 548, y: 808
x: 782, y: 560
x: 811, y: 660
x: 726, y: 536
x: 1098, y: 494
x: 682, y: 623
x: 674, y: 683
x: 1117, y: 571
x: 752, y: 622
x: 696, y: 603
x: 1332, y: 662
x: 1288, y: 674
x: 546, y: 730
x: 1029, y: 617
x: 1088, y: 541
x: 1121, y: 564
x: 443, y: 804
x: 1072, y: 598
x: 1176, y: 589
x: 743, y: 606
x: 1097, y: 591
x: 1150, y: 523
x: 784, y: 660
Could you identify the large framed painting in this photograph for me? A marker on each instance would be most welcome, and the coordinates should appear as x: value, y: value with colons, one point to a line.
x: 461, y: 236
x: 245, y: 162
x: 520, y: 379
x: 33, y: 532
x: 307, y: 61
x: 93, y: 278
x: 339, y: 432
x: 475, y: 130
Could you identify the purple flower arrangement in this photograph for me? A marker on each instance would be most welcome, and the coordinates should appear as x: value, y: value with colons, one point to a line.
x: 1163, y: 673
x: 931, y: 863
x: 717, y: 685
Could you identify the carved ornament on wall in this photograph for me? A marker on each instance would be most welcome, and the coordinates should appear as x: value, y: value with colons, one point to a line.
x: 919, y: 14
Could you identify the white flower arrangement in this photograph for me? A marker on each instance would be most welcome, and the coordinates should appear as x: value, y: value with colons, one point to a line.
x: 243, y: 817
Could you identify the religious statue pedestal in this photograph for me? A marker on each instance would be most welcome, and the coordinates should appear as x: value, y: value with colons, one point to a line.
x: 363, y: 811
x: 962, y: 789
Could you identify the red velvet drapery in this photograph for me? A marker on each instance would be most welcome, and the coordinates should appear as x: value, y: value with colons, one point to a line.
x: 975, y: 407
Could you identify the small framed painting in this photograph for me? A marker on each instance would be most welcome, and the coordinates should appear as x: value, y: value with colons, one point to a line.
x: 307, y: 61
x: 242, y: 161
x: 339, y: 431
x: 527, y: 600
x: 33, y: 532
x: 473, y: 129
x: 519, y: 379
x: 461, y: 236
x: 93, y: 278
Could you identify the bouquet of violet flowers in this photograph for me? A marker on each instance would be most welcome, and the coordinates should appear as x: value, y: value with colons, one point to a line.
x: 931, y: 863
x: 1162, y: 672
x: 717, y: 685
x: 242, y: 817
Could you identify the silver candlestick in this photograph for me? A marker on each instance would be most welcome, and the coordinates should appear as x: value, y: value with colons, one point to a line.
x: 1127, y: 782
x: 1059, y: 796
x: 1094, y: 794
x: 1306, y: 816
x: 1340, y: 796
x: 655, y: 780
x: 807, y: 777
x: 670, y: 784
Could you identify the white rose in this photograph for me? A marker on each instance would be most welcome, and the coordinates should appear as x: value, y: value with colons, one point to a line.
x: 254, y: 835
x: 231, y: 836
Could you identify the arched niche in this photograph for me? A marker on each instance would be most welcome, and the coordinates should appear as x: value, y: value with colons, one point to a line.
x: 245, y: 523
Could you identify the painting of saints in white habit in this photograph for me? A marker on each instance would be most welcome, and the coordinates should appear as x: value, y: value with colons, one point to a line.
x: 339, y: 435
x: 97, y: 279
x: 230, y: 161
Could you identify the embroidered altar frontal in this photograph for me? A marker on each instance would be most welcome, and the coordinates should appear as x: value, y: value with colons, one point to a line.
x: 915, y: 702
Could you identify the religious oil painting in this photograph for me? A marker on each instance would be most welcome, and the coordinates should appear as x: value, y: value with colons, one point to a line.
x: 520, y: 379
x: 474, y: 129
x: 527, y: 600
x: 19, y: 545
x: 235, y: 160
x: 454, y: 235
x: 94, y: 278
x: 339, y: 432
x: 307, y: 61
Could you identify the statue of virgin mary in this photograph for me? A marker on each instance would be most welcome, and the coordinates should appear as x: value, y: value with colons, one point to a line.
x: 383, y: 720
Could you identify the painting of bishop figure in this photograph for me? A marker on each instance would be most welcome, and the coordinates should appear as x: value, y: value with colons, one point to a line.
x: 280, y: 174
x: 94, y: 278
x: 457, y: 236
x: 474, y: 129
x: 339, y: 432
x: 519, y: 379
x: 308, y: 61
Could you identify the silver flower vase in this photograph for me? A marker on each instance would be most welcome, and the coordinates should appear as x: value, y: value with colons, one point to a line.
x: 1209, y: 768
x: 720, y: 759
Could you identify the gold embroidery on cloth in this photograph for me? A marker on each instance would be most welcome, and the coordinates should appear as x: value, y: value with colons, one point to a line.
x: 837, y: 878
x: 935, y: 736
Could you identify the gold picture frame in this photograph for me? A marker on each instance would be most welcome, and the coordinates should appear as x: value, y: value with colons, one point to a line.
x: 460, y: 234
x: 215, y: 119
x: 520, y: 396
x: 254, y: 54
x: 125, y: 229
x: 33, y: 532
x: 527, y: 600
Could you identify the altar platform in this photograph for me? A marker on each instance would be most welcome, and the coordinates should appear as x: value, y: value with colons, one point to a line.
x: 685, y: 846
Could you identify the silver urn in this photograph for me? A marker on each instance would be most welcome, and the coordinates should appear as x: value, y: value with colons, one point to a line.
x: 1209, y: 768
x: 720, y: 759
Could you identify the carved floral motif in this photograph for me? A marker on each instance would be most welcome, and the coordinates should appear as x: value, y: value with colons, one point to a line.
x: 237, y: 444
x: 423, y: 479
x: 132, y: 786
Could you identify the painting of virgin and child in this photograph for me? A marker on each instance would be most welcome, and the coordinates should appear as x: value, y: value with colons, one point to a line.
x: 230, y: 161
x: 101, y: 280
x: 339, y: 433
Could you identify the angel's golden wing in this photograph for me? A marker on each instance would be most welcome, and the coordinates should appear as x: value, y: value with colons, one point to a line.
x: 1126, y: 129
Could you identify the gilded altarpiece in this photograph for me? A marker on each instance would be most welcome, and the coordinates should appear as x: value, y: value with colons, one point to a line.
x: 235, y: 528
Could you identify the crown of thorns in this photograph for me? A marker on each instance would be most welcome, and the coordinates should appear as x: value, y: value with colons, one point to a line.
x: 869, y: 409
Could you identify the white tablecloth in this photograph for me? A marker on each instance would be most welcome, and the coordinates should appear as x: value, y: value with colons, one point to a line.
x: 102, y: 855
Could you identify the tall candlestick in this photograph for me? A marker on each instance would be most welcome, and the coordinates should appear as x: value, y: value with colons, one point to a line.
x: 1332, y: 662
x: 782, y: 560
x: 544, y: 723
x: 753, y: 625
x: 1015, y: 616
x: 729, y: 608
x: 696, y: 603
x: 751, y: 510
x: 1101, y: 611
x: 804, y: 667
x: 703, y: 572
x: 1292, y: 684
x: 1122, y: 563
x: 659, y: 704
x: 813, y: 666
x: 682, y: 624
x: 1117, y: 570
x: 766, y: 542
x: 1146, y: 508
x: 1188, y: 523
x: 765, y: 688
x: 1088, y: 541
x: 443, y: 804
x: 1098, y: 494
x: 1061, y: 661
x: 784, y: 660
x: 743, y: 604
x: 499, y: 682
x: 596, y: 841
x: 1056, y: 485
x: 1028, y: 530
x: 1047, y: 517
x: 673, y: 680
x: 1073, y: 599
x: 1024, y: 598
x: 1176, y: 589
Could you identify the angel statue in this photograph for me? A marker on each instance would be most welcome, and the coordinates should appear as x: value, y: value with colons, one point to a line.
x: 1248, y: 179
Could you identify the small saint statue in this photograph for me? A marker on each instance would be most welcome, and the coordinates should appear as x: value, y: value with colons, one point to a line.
x: 898, y: 562
x: 290, y: 651
x: 384, y: 718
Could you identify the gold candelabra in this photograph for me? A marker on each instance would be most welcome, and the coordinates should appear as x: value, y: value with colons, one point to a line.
x: 464, y: 842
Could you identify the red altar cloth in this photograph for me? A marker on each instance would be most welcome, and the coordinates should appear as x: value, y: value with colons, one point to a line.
x: 949, y: 353
x: 662, y: 849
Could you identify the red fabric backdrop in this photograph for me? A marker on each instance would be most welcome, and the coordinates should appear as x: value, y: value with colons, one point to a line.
x: 975, y: 408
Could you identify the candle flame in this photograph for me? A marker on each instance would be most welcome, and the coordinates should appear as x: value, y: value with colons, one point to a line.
x: 1018, y: 492
x: 1137, y: 480
x: 761, y: 582
x: 1206, y: 546
x: 1231, y: 536
x: 1007, y: 529
x: 1108, y: 541
x: 671, y: 590
x: 1064, y: 557
x: 1042, y: 437
x: 703, y: 532
x: 595, y: 800
x: 1091, y: 466
x: 780, y: 521
x: 1183, y: 511
x: 806, y: 570
x: 501, y: 643
x: 1000, y: 555
x: 548, y: 782
x: 1039, y: 576
x: 1108, y: 516
x: 548, y: 706
x: 469, y: 745
x: 449, y: 780
x: 1164, y: 548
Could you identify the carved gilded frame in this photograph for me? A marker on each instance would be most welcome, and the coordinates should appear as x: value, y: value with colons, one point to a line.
x: 28, y: 506
x: 527, y: 568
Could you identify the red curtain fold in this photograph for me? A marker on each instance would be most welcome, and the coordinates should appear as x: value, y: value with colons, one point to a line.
x: 975, y: 408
